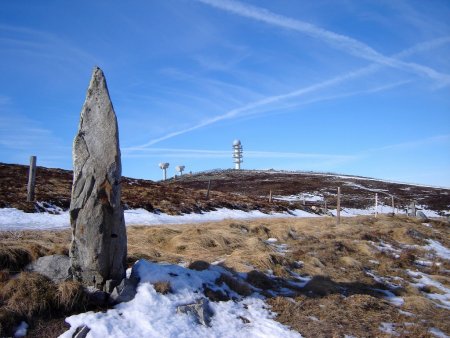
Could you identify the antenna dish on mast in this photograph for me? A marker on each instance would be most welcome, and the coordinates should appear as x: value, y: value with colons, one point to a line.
x: 164, y: 166
x: 180, y: 169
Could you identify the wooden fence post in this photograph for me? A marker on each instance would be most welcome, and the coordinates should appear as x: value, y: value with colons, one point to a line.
x: 209, y: 188
x: 338, y: 207
x: 376, y: 204
x: 326, y: 208
x: 270, y: 196
x: 393, y: 205
x: 31, y: 179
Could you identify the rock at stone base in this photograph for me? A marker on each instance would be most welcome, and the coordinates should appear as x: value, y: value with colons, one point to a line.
x: 422, y: 216
x: 81, y: 332
x: 200, y: 310
x: 125, y: 291
x: 96, y: 296
x: 55, y: 267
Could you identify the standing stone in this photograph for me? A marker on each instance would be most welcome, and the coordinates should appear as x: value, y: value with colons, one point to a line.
x: 99, y: 242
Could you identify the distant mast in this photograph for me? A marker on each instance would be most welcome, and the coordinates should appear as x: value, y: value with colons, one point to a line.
x: 180, y: 169
x: 164, y: 166
x: 237, y: 154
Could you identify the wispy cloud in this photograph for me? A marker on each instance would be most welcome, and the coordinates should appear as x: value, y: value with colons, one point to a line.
x: 339, y: 41
x: 204, y: 153
x: 21, y: 137
x: 238, y: 112
x: 43, y: 44
x: 437, y: 139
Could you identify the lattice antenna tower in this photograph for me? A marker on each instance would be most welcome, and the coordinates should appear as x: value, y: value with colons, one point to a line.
x: 237, y: 154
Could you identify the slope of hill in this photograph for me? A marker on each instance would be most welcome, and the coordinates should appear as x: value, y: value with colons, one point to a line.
x: 243, y: 190
x: 53, y: 188
x: 314, y: 188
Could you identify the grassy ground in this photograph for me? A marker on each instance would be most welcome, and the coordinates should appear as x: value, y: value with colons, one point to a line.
x: 348, y: 265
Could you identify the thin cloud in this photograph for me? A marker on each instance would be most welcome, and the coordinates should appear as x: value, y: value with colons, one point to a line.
x: 339, y: 41
x: 413, y: 144
x: 237, y: 112
x: 204, y: 153
x: 43, y: 44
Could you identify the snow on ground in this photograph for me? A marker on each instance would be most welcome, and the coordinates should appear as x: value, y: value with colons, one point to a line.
x: 437, y: 333
x: 300, y: 198
x: 350, y: 212
x: 428, y: 213
x: 438, y: 248
x: 13, y: 219
x: 152, y: 314
x: 422, y: 280
x: 388, y: 328
x: 360, y: 186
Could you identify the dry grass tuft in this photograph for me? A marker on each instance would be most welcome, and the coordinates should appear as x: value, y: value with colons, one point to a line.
x: 29, y: 294
x: 8, y: 319
x: 70, y: 296
x: 260, y: 280
x: 4, y: 276
x: 199, y: 265
x: 340, y: 260
x: 240, y: 288
x: 19, y: 248
x: 163, y: 287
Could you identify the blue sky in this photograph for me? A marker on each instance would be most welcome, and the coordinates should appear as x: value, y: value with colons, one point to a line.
x: 354, y: 87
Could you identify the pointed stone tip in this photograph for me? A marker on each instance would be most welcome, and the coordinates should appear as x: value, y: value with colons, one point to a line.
x: 97, y: 71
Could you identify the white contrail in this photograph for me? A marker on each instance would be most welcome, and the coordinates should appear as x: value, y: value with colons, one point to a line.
x: 201, y: 153
x: 315, y: 87
x: 339, y: 41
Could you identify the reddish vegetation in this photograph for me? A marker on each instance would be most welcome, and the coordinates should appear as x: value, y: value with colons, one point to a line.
x: 53, y: 186
x: 357, y: 192
x: 244, y: 190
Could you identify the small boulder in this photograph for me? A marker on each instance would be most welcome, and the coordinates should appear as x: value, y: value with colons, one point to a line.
x: 126, y: 290
x: 421, y: 216
x: 200, y: 310
x: 55, y: 267
x: 81, y: 332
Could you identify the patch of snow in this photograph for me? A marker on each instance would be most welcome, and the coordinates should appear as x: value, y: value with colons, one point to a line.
x: 406, y: 313
x: 281, y: 248
x: 438, y: 248
x: 437, y: 333
x: 422, y: 279
x: 12, y: 219
x: 360, y: 186
x: 300, y: 198
x: 388, y: 328
x: 428, y: 213
x: 21, y: 330
x: 426, y: 263
x: 301, y: 281
x: 151, y: 314
x: 384, y: 280
x: 391, y: 297
x: 386, y: 248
